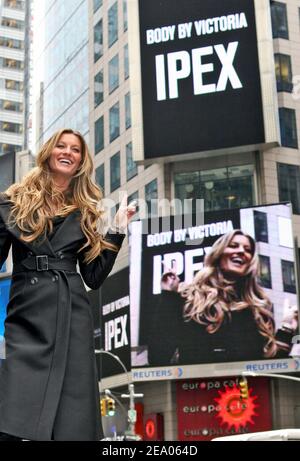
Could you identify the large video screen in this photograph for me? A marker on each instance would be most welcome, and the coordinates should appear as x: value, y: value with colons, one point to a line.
x: 112, y: 323
x: 200, y: 69
x: 221, y: 292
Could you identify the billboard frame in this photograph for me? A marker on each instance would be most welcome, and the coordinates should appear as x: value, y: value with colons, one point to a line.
x: 290, y: 364
x: 268, y: 91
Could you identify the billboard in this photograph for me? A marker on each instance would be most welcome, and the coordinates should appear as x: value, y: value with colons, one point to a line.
x: 112, y: 323
x: 202, y: 77
x: 210, y: 408
x: 221, y: 295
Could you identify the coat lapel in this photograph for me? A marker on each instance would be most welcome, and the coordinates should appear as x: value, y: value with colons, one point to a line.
x: 41, y: 247
x: 68, y: 232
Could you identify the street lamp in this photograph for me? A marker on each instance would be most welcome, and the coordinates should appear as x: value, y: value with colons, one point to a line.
x: 131, y: 414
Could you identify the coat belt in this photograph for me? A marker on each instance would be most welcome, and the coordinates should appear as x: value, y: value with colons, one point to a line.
x: 43, y: 263
x: 62, y: 302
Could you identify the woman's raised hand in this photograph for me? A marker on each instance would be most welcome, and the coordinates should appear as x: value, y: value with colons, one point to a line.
x: 124, y: 214
x: 170, y: 280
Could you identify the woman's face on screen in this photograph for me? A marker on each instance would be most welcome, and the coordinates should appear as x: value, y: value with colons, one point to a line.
x: 236, y: 257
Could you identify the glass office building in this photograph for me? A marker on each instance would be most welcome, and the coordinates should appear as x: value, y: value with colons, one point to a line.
x: 65, y: 57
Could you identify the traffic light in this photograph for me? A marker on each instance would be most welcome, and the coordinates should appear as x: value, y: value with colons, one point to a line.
x: 103, y: 407
x: 244, y: 391
x: 111, y: 407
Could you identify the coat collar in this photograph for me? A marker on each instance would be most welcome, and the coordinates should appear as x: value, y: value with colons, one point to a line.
x: 69, y: 232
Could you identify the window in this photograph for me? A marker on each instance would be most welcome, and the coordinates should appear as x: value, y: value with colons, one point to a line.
x: 289, y: 185
x: 131, y: 166
x: 12, y: 43
x: 279, y: 20
x: 112, y: 24
x: 14, y: 85
x: 221, y: 188
x: 261, y: 226
x: 14, y: 23
x: 98, y: 89
x: 113, y: 73
x: 115, y: 172
x: 127, y: 111
x: 15, y: 4
x: 265, y: 271
x: 11, y: 127
x: 288, y: 127
x: 288, y: 276
x: 283, y: 69
x: 100, y: 176
x: 126, y: 62
x: 9, y: 148
x: 151, y: 196
x: 114, y: 122
x: 97, y: 4
x: 99, y: 135
x: 11, y: 105
x: 125, y: 20
x: 9, y: 63
x: 98, y: 40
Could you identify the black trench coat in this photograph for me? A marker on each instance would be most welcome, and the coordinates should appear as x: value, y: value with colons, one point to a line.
x: 48, y: 382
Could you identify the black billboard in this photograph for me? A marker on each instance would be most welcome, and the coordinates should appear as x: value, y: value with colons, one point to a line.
x: 112, y: 323
x: 220, y: 292
x: 200, y: 76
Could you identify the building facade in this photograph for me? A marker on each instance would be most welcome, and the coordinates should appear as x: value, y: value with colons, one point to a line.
x: 12, y: 47
x: 110, y: 111
x: 64, y: 60
x: 28, y: 71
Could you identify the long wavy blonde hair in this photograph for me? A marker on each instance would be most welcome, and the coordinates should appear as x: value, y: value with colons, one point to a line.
x: 211, y: 297
x: 36, y: 199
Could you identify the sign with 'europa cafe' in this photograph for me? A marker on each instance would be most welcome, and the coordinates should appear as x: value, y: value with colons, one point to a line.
x: 202, y: 78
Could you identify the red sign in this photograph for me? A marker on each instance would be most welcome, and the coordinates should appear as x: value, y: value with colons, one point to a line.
x: 154, y: 427
x: 209, y: 408
x: 139, y: 425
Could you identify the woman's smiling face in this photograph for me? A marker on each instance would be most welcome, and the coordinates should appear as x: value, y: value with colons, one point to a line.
x: 66, y: 156
x: 236, y: 257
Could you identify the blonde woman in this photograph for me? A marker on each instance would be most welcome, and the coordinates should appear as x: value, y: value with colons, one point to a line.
x: 227, y: 314
x: 48, y: 382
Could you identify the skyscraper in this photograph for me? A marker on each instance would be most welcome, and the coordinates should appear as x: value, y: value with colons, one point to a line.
x: 28, y: 69
x: 65, y: 57
x: 12, y: 35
